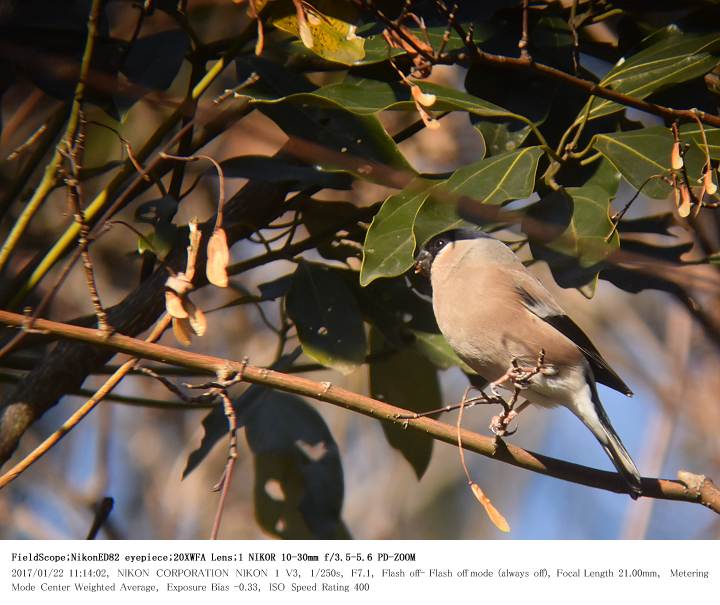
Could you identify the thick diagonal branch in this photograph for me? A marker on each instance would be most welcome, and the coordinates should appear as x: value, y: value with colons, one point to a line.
x: 693, y: 488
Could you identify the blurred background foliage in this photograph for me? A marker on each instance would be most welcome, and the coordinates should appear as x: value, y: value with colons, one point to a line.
x: 342, y: 149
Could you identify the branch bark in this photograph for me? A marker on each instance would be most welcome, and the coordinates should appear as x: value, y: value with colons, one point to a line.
x: 693, y: 488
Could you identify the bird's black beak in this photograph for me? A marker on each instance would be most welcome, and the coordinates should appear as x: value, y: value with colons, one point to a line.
x: 422, y: 263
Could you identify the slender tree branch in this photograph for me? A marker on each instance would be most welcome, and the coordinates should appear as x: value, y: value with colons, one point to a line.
x: 50, y: 177
x: 81, y: 412
x: 692, y: 488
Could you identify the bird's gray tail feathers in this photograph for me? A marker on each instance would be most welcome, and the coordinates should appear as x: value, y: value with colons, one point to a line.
x: 614, y: 448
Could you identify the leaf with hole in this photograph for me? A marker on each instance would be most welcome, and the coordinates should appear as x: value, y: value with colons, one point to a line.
x: 299, y: 483
x: 327, y: 317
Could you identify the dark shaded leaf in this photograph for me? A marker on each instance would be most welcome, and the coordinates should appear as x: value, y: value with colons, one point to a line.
x: 345, y: 141
x: 215, y: 424
x: 327, y: 317
x: 670, y: 254
x: 299, y: 482
x: 407, y: 380
x: 660, y: 224
x: 274, y: 169
x: 568, y: 229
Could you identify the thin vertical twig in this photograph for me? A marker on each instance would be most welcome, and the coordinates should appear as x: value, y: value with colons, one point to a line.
x: 50, y: 177
x: 524, y: 38
x: 74, y: 188
x: 224, y: 484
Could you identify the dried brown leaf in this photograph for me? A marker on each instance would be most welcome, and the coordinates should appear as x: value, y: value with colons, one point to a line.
x: 424, y: 99
x: 685, y: 203
x: 709, y: 183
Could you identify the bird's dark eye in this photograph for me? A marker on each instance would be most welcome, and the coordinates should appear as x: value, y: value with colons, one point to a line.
x: 440, y: 244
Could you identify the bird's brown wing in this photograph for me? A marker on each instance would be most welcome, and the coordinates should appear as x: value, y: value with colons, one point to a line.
x: 539, y: 301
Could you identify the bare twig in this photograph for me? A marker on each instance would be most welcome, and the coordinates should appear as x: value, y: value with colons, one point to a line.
x: 524, y: 40
x: 224, y: 484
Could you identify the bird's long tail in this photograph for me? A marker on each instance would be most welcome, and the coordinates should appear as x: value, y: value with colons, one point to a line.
x: 596, y: 419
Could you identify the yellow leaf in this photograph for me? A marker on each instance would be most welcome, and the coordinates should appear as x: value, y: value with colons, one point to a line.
x: 498, y: 520
x: 326, y: 28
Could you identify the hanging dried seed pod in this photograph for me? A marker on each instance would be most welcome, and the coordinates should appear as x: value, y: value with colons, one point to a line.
x: 686, y: 203
x: 182, y: 331
x: 422, y: 98
x: 709, y: 183
x: 218, y: 256
x: 676, y: 160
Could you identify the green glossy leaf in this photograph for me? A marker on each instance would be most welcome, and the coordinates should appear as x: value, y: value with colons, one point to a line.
x: 404, y: 219
x: 670, y: 61
x: 338, y: 140
x: 299, y: 483
x: 643, y: 158
x: 390, y: 244
x: 577, y: 224
x: 712, y: 135
x: 365, y: 96
x: 494, y: 180
x: 499, y: 178
x: 327, y: 317
x: 410, y: 381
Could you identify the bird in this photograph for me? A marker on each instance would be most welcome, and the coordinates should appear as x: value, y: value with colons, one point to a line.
x: 508, y: 328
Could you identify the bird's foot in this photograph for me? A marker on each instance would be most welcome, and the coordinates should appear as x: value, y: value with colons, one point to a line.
x: 499, y: 424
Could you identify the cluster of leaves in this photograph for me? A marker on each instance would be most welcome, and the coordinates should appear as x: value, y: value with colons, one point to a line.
x: 546, y: 143
x: 522, y: 119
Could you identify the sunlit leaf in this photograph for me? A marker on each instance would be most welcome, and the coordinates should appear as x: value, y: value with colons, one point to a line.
x: 402, y: 222
x: 643, y: 158
x: 390, y: 244
x: 672, y: 60
x: 327, y: 28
